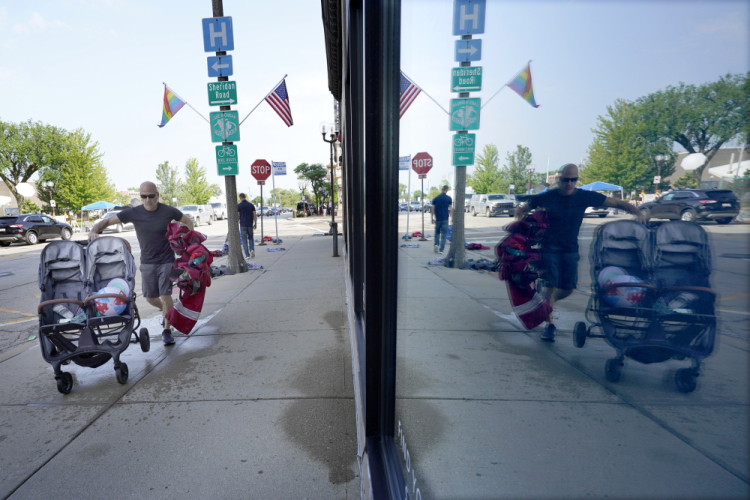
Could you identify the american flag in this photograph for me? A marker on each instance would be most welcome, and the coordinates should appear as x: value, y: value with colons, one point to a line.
x: 408, y: 92
x: 279, y: 101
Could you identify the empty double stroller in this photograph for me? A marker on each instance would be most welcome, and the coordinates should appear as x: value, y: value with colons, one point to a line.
x: 651, y: 297
x: 87, y: 312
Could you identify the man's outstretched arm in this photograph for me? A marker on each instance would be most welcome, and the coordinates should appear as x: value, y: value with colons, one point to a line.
x: 624, y: 205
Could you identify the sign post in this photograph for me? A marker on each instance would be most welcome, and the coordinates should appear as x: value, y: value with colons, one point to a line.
x: 279, y: 168
x: 261, y: 169
x: 422, y: 163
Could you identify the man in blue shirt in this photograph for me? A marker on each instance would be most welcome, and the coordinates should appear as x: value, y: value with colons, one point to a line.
x: 248, y: 222
x: 441, y: 211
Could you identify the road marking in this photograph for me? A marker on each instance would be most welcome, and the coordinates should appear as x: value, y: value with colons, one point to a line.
x: 735, y: 297
x: 16, y: 312
x: 734, y: 311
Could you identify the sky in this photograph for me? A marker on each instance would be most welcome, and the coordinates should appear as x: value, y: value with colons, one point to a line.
x: 99, y: 65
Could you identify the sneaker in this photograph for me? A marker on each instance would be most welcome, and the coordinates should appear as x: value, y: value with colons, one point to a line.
x: 549, y: 333
x: 436, y: 249
x: 166, y: 335
x: 440, y: 252
x: 252, y: 254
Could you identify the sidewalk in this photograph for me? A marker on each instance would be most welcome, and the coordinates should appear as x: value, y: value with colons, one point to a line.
x: 256, y: 403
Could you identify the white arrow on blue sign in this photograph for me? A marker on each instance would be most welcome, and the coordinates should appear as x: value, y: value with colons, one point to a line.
x: 468, y: 50
x: 220, y: 66
x: 468, y: 17
x: 218, y: 34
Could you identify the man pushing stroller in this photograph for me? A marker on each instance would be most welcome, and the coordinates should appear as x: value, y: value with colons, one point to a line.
x: 565, y: 207
x: 157, y: 258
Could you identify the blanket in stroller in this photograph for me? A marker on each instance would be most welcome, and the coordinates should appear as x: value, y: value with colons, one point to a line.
x: 518, y: 265
x: 191, y: 274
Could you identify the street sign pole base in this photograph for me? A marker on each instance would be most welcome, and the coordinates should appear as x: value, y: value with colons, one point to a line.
x: 262, y: 244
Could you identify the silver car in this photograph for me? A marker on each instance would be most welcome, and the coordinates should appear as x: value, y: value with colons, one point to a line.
x: 118, y: 228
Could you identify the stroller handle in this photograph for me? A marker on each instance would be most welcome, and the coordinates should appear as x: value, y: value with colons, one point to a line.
x: 105, y: 296
x: 57, y: 301
x: 631, y: 285
x: 689, y: 288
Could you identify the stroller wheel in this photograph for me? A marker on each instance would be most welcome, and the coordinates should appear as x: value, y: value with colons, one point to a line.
x: 144, y: 339
x: 65, y: 383
x: 579, y: 334
x: 613, y: 369
x: 121, y: 372
x: 685, y: 379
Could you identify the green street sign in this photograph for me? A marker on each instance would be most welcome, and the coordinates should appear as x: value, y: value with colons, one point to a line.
x: 463, y: 149
x: 225, y: 126
x: 465, y: 114
x: 222, y: 93
x: 468, y: 79
x: 226, y: 159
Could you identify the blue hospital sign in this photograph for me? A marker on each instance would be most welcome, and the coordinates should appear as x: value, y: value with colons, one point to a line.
x: 468, y: 17
x: 218, y: 34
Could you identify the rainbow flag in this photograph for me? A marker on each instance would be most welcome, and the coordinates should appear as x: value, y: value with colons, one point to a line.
x: 521, y: 84
x: 172, y: 104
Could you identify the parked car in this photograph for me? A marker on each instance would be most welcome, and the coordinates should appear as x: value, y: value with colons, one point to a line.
x: 197, y: 214
x: 721, y: 205
x: 426, y: 206
x: 467, y: 201
x: 271, y: 211
x: 210, y: 212
x: 305, y: 207
x: 492, y: 204
x: 118, y: 228
x: 31, y: 228
x: 596, y: 211
x: 220, y: 210
x: 403, y: 207
x: 415, y: 206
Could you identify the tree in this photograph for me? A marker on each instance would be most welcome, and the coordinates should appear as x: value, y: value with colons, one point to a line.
x: 27, y: 148
x: 686, y: 182
x: 29, y: 207
x: 216, y: 190
x: 514, y: 171
x: 699, y: 118
x: 401, y: 191
x: 487, y: 173
x: 314, y: 173
x: 434, y: 192
x: 417, y: 195
x: 196, y: 188
x: 170, y: 186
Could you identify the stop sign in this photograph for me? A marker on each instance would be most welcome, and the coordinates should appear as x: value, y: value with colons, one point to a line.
x: 421, y: 163
x: 260, y: 169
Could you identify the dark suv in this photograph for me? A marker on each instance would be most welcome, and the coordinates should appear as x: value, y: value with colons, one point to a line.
x: 721, y: 205
x: 31, y: 228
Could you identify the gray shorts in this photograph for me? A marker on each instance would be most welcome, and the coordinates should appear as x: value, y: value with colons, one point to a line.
x: 155, y: 280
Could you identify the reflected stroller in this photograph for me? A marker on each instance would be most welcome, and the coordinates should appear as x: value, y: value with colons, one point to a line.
x: 672, y: 316
x: 70, y: 329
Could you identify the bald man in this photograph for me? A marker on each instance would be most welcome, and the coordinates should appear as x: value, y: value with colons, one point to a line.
x: 565, y: 208
x: 157, y: 258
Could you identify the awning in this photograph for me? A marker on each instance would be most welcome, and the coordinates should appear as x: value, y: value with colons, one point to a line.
x: 601, y: 186
x: 99, y: 205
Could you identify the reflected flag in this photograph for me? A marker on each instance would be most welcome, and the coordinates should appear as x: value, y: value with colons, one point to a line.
x: 409, y: 91
x: 521, y: 85
x: 172, y: 104
x: 279, y: 101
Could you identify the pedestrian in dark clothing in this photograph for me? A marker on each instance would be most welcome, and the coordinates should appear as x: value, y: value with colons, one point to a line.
x: 441, y: 211
x: 248, y: 222
x: 565, y: 207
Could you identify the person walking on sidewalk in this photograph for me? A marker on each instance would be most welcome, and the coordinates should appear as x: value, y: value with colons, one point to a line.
x: 157, y: 258
x: 441, y: 211
x: 248, y: 222
x: 565, y: 207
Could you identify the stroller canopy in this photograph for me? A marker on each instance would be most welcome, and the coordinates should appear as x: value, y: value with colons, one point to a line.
x: 99, y: 205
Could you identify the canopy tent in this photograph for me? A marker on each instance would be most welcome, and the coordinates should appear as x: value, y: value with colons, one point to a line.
x: 99, y: 205
x: 603, y: 186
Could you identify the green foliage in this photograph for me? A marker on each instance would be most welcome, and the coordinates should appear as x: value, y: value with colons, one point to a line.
x: 434, y: 192
x: 487, y: 175
x: 401, y: 191
x: 316, y: 175
x: 170, y: 186
x: 687, y: 181
x: 417, y: 195
x: 121, y: 199
x: 29, y: 207
x: 215, y: 190
x: 286, y: 197
x: 195, y: 189
x: 514, y: 171
x: 28, y: 148
x: 257, y: 202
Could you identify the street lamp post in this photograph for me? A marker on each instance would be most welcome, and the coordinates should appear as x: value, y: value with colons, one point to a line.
x: 334, y: 227
x: 302, y: 186
x: 49, y: 186
x: 531, y: 170
x: 659, y: 159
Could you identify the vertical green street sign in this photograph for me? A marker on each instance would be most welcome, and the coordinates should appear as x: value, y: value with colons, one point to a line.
x: 463, y: 149
x: 225, y: 126
x: 222, y: 93
x: 465, y: 114
x: 466, y: 79
x: 226, y: 159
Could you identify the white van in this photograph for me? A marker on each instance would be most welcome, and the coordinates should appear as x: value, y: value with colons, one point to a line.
x: 220, y: 210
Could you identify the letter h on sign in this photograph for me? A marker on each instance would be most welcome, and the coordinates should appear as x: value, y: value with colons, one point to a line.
x: 218, y: 34
x: 468, y: 17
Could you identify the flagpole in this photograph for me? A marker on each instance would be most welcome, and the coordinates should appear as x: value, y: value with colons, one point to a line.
x: 425, y: 93
x: 506, y: 83
x: 264, y: 98
x: 183, y: 100
x: 275, y: 212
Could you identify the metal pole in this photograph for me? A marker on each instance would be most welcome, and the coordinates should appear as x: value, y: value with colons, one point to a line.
x: 408, y: 203
x: 235, y: 261
x: 334, y: 226
x: 422, y: 238
x: 275, y: 213
x: 262, y: 241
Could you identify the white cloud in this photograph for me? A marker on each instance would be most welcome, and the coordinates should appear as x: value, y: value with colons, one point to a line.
x: 37, y: 23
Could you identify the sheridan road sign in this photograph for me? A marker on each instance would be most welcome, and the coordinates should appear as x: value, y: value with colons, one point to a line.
x: 466, y: 79
x: 222, y: 93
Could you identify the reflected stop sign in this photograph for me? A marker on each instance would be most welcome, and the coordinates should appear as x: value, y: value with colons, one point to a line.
x: 421, y: 163
x: 260, y: 169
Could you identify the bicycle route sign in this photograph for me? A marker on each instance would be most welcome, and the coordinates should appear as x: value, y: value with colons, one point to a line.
x: 463, y: 149
x: 222, y: 93
x: 261, y: 170
x: 465, y: 114
x: 466, y: 79
x: 226, y: 159
x: 225, y: 126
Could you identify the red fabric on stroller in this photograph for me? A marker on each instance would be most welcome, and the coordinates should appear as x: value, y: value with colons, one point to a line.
x: 518, y: 268
x: 194, y: 260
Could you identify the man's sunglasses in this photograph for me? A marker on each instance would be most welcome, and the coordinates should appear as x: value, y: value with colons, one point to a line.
x: 569, y: 179
x: 150, y: 196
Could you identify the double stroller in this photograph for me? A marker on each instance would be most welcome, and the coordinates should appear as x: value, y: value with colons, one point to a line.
x: 651, y: 297
x: 76, y: 322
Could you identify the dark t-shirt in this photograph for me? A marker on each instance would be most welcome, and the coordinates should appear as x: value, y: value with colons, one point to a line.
x: 246, y: 209
x: 565, y: 214
x: 442, y: 203
x: 151, y: 230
